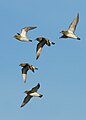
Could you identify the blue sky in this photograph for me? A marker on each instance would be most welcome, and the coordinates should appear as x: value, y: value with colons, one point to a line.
x: 62, y: 67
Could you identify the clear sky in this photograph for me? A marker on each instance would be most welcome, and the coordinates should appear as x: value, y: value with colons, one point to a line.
x: 62, y: 67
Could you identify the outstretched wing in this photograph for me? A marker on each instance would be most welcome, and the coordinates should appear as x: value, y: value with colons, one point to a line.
x: 25, y: 69
x: 73, y: 25
x: 39, y: 48
x: 34, y: 89
x: 33, y: 68
x: 24, y: 64
x: 25, y: 30
x: 24, y: 73
x: 26, y: 100
x: 39, y: 39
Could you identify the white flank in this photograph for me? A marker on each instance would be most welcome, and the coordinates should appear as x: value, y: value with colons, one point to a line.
x: 72, y: 35
x: 35, y: 94
x: 25, y: 39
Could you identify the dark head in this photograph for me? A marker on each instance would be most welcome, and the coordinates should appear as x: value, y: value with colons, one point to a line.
x: 62, y: 31
x: 17, y: 37
x: 23, y: 64
x: 27, y: 91
x: 39, y: 38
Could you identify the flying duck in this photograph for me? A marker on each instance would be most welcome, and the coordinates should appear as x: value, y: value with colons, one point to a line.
x: 42, y: 41
x: 23, y: 35
x: 70, y: 32
x: 31, y: 93
x: 25, y: 68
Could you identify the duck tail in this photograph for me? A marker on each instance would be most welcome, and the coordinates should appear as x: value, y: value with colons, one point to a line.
x: 36, y: 68
x: 30, y: 40
x: 40, y: 95
x: 53, y: 43
x: 78, y: 38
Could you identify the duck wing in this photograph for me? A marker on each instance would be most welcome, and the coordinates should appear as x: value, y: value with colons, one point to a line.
x: 74, y: 23
x: 39, y: 48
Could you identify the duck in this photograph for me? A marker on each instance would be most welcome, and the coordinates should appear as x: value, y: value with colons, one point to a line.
x: 72, y: 27
x: 31, y: 93
x: 42, y: 41
x: 25, y: 68
x: 23, y: 35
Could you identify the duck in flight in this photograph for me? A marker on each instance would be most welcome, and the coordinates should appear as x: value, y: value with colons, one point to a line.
x: 70, y: 32
x: 42, y: 41
x: 31, y: 93
x: 23, y: 35
x: 25, y: 68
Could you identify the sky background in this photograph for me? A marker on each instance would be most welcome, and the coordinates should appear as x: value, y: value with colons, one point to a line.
x: 62, y: 67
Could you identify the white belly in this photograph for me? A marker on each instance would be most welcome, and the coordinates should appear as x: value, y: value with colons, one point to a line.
x: 72, y: 36
x: 24, y: 39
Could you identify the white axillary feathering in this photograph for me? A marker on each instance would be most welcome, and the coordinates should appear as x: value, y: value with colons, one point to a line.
x: 24, y: 77
x: 35, y: 94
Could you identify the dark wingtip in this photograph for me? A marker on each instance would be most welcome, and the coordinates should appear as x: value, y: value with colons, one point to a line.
x: 38, y: 85
x: 30, y: 40
x: 21, y: 106
x: 53, y: 43
x: 18, y: 33
x: 36, y: 68
x: 61, y: 37
x: 78, y: 38
x: 34, y: 27
x: 40, y: 96
x: 37, y: 58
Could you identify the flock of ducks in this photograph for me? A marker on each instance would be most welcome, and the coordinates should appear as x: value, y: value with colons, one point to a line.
x: 41, y: 42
